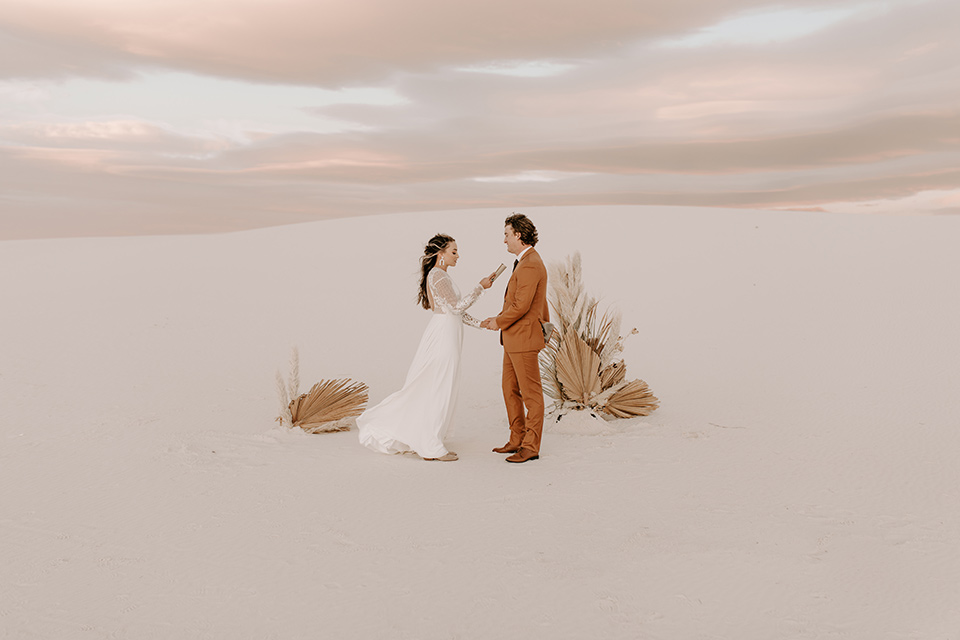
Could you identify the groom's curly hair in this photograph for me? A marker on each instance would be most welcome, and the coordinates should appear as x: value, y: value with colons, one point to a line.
x: 522, y: 225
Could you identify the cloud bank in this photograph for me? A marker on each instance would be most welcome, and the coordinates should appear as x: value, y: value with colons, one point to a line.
x: 174, y: 116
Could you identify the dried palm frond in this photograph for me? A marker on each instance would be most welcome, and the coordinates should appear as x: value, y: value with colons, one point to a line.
x: 571, y: 307
x: 548, y: 367
x: 548, y: 374
x: 582, y: 366
x: 613, y: 374
x: 588, y: 327
x: 578, y: 369
x: 632, y: 399
x: 328, y: 403
x: 610, y: 342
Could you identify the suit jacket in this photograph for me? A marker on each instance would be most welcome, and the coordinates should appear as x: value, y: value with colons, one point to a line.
x: 525, y: 306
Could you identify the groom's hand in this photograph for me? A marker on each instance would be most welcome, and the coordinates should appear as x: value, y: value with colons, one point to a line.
x: 490, y: 323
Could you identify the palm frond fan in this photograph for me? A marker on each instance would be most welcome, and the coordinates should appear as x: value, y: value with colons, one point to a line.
x: 578, y: 369
x: 329, y: 406
x: 582, y: 366
x: 630, y: 399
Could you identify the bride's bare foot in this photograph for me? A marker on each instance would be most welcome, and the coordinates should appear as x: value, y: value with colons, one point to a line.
x: 450, y: 456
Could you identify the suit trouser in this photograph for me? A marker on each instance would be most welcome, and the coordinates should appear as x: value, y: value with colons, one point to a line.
x: 522, y: 387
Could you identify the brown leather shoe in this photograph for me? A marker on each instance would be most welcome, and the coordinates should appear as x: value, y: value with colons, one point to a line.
x: 523, y: 455
x: 507, y: 448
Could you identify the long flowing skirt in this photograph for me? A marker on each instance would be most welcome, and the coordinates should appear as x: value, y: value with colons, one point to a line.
x: 417, y: 417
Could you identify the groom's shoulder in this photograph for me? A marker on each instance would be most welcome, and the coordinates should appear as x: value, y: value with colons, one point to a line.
x: 532, y: 267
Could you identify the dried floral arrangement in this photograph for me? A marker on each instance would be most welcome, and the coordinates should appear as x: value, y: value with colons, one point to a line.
x: 329, y: 406
x: 582, y: 367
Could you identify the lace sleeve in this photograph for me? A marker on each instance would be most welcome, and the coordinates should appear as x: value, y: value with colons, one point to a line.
x: 469, y: 320
x: 446, y: 297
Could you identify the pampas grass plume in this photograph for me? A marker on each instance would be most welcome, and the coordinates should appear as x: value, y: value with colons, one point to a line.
x: 294, y: 383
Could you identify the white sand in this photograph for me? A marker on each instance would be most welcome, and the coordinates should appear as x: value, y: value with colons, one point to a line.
x: 799, y: 481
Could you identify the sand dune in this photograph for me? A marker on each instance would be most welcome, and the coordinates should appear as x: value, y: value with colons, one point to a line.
x: 799, y: 480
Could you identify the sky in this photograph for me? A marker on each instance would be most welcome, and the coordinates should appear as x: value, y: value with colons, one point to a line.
x: 168, y: 116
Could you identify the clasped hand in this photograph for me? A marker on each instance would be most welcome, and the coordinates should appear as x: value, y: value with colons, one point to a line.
x: 490, y: 323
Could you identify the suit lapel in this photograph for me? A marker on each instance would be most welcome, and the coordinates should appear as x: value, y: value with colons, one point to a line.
x: 514, y: 272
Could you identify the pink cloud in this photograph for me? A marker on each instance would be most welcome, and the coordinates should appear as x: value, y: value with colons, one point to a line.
x: 345, y: 42
x: 866, y: 109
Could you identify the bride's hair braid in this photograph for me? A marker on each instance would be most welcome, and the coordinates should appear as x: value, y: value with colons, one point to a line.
x: 428, y: 261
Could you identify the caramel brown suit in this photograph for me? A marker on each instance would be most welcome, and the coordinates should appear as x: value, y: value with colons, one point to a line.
x: 521, y: 334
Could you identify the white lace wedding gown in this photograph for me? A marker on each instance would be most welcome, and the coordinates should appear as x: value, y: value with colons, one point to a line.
x: 416, y: 417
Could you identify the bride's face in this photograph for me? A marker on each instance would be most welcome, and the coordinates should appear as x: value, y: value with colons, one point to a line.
x: 450, y: 255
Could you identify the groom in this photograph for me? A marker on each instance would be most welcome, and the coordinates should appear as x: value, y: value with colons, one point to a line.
x: 524, y: 308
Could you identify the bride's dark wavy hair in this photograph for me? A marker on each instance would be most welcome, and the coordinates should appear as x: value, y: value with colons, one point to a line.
x: 428, y: 261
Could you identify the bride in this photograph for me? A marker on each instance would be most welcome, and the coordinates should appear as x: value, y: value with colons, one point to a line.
x: 416, y: 417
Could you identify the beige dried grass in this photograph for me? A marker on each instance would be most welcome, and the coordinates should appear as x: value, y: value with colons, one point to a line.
x: 289, y: 388
x: 567, y: 295
x: 284, y: 418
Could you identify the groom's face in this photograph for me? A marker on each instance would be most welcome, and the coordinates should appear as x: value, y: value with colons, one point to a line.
x: 512, y: 239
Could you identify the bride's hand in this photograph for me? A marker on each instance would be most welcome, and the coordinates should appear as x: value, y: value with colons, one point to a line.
x: 487, y: 282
